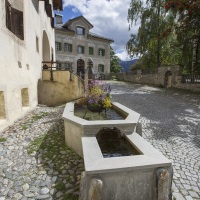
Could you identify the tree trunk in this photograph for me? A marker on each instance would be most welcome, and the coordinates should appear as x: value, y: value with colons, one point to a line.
x: 158, y: 35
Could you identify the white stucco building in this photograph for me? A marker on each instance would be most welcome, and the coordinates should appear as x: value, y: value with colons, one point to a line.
x: 27, y: 38
x: 76, y: 45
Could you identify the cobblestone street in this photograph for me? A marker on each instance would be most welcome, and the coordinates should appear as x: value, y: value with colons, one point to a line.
x: 36, y: 164
x: 171, y: 123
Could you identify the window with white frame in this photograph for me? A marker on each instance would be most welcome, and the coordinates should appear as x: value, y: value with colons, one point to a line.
x: 101, y: 68
x: 58, y: 46
x: 80, y: 30
x: 80, y: 49
x: 67, y: 47
x: 101, y: 52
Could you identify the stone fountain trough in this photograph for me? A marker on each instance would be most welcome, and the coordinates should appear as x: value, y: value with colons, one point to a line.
x: 76, y: 127
x: 141, y: 174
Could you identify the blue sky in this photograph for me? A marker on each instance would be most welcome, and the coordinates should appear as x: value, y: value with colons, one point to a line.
x: 109, y: 19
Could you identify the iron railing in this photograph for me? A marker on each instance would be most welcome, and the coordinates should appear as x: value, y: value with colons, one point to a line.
x: 52, y: 66
x: 190, y: 79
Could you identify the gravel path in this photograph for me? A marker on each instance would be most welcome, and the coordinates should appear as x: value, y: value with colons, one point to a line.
x: 171, y: 123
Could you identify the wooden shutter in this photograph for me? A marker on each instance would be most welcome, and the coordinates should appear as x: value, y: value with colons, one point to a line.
x: 21, y: 24
x: 49, y: 10
x: 59, y: 46
x: 83, y: 49
x: 83, y: 31
x: 8, y: 15
x: 102, y: 68
x: 91, y: 51
x: 14, y: 21
x: 17, y: 26
x: 52, y: 22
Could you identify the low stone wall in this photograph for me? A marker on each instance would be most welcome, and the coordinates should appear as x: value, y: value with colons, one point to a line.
x: 167, y: 76
x: 61, y: 90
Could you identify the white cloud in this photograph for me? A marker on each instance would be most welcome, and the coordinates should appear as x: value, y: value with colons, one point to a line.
x: 123, y: 55
x: 108, y: 18
x: 75, y: 10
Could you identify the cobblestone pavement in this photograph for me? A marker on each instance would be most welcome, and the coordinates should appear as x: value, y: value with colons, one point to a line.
x: 34, y: 160
x: 36, y: 164
x: 171, y: 123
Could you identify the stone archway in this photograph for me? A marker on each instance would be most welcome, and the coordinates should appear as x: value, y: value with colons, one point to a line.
x: 81, y: 67
x: 168, y: 79
x: 46, y: 54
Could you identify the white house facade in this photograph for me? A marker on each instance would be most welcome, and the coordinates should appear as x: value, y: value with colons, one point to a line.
x: 27, y: 38
x: 75, y: 46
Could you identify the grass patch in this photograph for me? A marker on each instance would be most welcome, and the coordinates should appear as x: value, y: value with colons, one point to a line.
x: 70, y: 197
x: 24, y: 126
x: 36, y: 117
x: 29, y: 122
x: 2, y: 139
x: 60, y: 186
x: 35, y: 144
x: 56, y: 156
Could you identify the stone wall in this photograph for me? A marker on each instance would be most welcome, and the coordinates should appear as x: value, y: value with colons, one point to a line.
x: 167, y: 76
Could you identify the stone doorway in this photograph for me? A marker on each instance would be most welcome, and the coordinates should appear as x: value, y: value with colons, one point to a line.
x: 80, y: 68
x: 168, y: 79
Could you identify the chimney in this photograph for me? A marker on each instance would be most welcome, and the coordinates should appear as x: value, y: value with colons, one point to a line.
x: 59, y: 20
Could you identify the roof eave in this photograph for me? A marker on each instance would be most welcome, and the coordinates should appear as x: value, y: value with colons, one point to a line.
x: 57, y: 4
x: 101, y: 38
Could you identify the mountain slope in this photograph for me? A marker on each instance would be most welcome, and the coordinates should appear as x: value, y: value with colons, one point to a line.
x: 127, y: 64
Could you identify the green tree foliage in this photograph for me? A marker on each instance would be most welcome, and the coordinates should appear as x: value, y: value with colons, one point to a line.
x: 187, y: 28
x: 150, y: 43
x: 114, y: 62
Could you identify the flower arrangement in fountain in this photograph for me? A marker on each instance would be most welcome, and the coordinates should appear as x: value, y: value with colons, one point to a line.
x: 99, y: 94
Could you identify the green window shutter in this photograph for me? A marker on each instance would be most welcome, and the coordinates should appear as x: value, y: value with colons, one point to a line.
x: 83, y: 49
x: 83, y: 31
x: 102, y: 68
x: 60, y: 46
x: 70, y: 47
x: 103, y: 52
x: 91, y: 51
